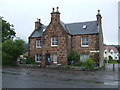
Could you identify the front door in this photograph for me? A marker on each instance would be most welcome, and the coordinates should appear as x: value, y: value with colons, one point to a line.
x: 47, y: 59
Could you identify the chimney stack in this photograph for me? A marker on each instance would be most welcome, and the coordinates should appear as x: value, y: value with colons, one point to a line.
x: 55, y: 15
x: 37, y: 24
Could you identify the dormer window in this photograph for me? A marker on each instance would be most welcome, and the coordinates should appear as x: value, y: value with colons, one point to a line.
x: 84, y: 26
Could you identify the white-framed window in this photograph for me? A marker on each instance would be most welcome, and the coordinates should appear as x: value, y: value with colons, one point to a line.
x: 115, y: 57
x: 55, y: 58
x: 105, y: 52
x: 38, y: 43
x: 83, y: 57
x: 111, y: 52
x: 38, y: 58
x: 84, y: 42
x: 54, y: 41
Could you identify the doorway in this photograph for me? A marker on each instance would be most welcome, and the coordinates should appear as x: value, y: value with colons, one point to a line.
x: 47, y: 59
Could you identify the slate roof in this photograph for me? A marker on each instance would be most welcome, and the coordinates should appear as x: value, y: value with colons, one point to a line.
x: 39, y: 32
x: 82, y: 28
x: 73, y: 28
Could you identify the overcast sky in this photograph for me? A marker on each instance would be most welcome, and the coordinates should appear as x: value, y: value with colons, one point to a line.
x: 23, y: 13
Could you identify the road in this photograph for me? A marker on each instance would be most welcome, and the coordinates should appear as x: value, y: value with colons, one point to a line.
x: 48, y: 78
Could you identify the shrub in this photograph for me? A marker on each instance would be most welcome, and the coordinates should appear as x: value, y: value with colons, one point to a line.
x: 73, y: 57
x: 95, y: 57
x: 88, y: 64
x: 30, y: 60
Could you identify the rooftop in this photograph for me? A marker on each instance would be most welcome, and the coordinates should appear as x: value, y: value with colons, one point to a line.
x: 78, y: 28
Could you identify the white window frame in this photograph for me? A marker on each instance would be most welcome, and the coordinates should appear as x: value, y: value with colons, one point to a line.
x: 83, y: 57
x: 53, y: 41
x: 38, y: 58
x: 86, y: 42
x: 55, y: 58
x: 38, y: 43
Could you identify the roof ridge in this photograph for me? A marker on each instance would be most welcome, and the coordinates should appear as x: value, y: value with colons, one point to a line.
x: 82, y: 22
x: 64, y: 26
x: 111, y: 48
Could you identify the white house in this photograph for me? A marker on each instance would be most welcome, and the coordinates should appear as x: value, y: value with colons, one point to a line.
x: 110, y: 52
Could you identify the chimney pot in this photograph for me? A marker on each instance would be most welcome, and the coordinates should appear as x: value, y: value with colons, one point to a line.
x: 55, y: 16
x: 98, y: 11
x: 57, y: 9
x: 39, y: 20
x: 53, y: 9
x: 37, y: 24
x: 99, y: 17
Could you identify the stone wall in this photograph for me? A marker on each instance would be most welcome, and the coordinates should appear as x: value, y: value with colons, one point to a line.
x: 93, y: 43
x: 32, y: 47
x: 61, y: 50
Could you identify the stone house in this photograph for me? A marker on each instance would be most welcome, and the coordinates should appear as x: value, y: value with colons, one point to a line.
x: 111, y: 53
x: 51, y: 45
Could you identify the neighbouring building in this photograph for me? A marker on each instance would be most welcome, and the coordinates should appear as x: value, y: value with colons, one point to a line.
x: 51, y: 44
x: 111, y: 53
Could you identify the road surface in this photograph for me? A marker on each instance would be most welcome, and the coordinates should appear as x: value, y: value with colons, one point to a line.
x: 48, y: 78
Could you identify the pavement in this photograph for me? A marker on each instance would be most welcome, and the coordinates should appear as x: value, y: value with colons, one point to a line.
x: 49, y: 78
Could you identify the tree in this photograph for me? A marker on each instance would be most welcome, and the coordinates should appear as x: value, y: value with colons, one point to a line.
x: 11, y: 50
x: 7, y: 31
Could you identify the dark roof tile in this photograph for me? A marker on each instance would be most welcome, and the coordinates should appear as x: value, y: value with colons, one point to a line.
x: 82, y: 28
x: 72, y: 28
x: 39, y: 32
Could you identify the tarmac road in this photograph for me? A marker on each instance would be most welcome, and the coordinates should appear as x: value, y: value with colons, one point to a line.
x: 48, y: 78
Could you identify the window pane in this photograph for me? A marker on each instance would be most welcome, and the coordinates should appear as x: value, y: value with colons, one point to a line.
x: 54, y: 41
x: 38, y: 43
x: 84, y: 40
x: 37, y: 58
x: 83, y: 57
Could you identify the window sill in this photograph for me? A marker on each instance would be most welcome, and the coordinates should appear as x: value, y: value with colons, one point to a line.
x: 55, y: 62
x: 38, y: 47
x: 38, y: 61
x: 54, y: 45
x: 84, y: 45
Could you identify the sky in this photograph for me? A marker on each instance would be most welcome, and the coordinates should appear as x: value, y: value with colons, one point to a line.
x: 23, y: 14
